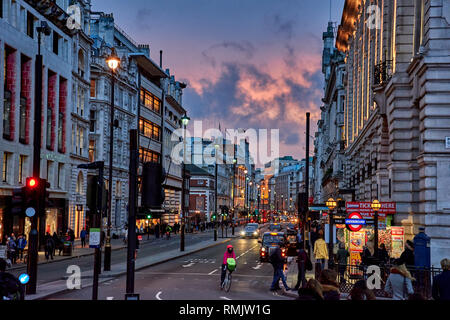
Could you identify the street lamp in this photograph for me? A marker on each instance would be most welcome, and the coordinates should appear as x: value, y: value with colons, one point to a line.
x: 331, y: 204
x: 376, y: 205
x: 216, y: 146
x: 113, y: 63
x: 234, y: 191
x: 185, y: 121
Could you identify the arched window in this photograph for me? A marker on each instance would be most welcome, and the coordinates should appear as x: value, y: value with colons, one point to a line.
x: 79, y: 186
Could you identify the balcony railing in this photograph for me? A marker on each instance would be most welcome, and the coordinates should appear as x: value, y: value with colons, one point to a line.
x: 382, y: 73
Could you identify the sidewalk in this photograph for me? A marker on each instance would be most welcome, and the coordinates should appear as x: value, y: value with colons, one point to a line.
x: 120, y: 269
x: 78, y: 251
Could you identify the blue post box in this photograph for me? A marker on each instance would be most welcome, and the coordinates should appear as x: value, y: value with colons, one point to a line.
x: 422, y: 253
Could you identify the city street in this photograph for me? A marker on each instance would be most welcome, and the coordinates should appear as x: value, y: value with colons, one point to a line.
x: 195, y: 277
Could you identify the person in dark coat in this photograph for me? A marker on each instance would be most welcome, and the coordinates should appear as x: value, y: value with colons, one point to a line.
x: 441, y: 283
x: 157, y: 227
x: 361, y: 292
x: 277, y: 262
x: 302, y: 259
x: 312, y: 292
x: 407, y: 256
x: 49, y: 246
x: 58, y: 244
x: 342, y: 256
x: 383, y: 255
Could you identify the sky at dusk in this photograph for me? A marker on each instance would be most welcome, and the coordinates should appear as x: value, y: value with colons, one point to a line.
x: 248, y: 63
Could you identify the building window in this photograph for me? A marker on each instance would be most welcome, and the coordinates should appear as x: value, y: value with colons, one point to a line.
x: 146, y: 155
x: 93, y: 88
x: 81, y: 63
x: 55, y: 43
x: 92, y: 118
x: 49, y: 170
x: 49, y: 128
x: 150, y: 101
x: 30, y: 25
x: 22, y: 160
x: 22, y: 120
x: 91, y: 150
x: 80, y: 102
x: 7, y: 115
x: 5, y: 167
x: 60, y: 131
x: 60, y: 175
x: 149, y: 129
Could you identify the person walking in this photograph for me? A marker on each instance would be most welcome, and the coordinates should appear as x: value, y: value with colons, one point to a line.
x: 407, y: 256
x: 383, y: 255
x: 399, y: 283
x: 21, y: 244
x: 168, y: 231
x: 11, y: 248
x: 320, y: 252
x: 342, y: 256
x: 277, y: 262
x: 441, y: 283
x: 157, y: 231
x: 49, y: 246
x: 303, y: 263
x: 83, y: 237
x: 72, y: 236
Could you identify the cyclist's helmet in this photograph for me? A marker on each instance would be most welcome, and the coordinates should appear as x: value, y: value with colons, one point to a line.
x: 230, y: 248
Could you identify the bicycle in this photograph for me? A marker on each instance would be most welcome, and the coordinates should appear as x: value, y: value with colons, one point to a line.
x: 231, y: 266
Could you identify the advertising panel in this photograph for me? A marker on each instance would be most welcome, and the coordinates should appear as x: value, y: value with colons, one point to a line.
x: 365, y: 208
x: 397, y: 241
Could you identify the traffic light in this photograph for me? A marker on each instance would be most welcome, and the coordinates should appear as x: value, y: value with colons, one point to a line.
x: 152, y: 185
x: 18, y: 200
x: 149, y: 216
x: 44, y: 186
x: 92, y: 193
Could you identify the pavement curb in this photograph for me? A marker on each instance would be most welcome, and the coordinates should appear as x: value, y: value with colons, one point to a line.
x: 104, y: 279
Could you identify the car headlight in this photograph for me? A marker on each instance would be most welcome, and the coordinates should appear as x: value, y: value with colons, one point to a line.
x: 255, y: 233
x: 242, y: 233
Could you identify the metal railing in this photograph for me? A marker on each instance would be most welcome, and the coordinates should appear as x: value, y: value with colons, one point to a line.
x: 348, y: 275
x: 382, y: 72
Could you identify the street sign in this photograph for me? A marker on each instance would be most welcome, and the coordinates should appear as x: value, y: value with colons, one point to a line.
x: 355, y: 221
x: 94, y: 238
x: 365, y: 208
x: 355, y: 217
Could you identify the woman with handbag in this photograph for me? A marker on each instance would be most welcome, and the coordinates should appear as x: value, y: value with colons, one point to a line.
x: 399, y: 283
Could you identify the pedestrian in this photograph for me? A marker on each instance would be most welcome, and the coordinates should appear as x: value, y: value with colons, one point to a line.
x: 368, y: 257
x: 21, y: 244
x: 11, y: 248
x: 72, y: 236
x: 157, y: 231
x: 303, y: 264
x: 168, y: 231
x: 312, y: 292
x: 10, y: 287
x: 383, y: 255
x: 361, y: 292
x: 399, y: 283
x: 320, y: 251
x: 49, y: 246
x: 441, y: 283
x: 125, y: 236
x: 407, y: 256
x: 83, y: 237
x: 277, y: 262
x: 342, y: 256
x: 328, y: 280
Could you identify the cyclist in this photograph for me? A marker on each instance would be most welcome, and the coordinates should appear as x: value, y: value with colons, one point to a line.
x: 229, y: 253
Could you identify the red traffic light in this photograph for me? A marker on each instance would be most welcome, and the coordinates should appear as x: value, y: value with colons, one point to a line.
x: 32, y: 182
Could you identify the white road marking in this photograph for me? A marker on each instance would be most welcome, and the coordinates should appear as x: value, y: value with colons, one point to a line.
x: 109, y: 298
x: 158, y: 294
x: 246, y: 251
x: 258, y: 266
x: 225, y: 298
x: 188, y: 265
x: 212, y: 271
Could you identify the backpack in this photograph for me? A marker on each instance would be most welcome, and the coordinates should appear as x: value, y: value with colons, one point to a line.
x: 10, y: 287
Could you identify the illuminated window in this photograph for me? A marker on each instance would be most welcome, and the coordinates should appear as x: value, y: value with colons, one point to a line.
x: 93, y: 88
x: 150, y: 101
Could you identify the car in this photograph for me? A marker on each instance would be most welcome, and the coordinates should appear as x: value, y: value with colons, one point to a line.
x: 275, y: 227
x: 269, y: 242
x: 250, y: 231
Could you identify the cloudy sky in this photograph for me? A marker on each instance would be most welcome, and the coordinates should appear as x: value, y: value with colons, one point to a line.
x: 247, y: 63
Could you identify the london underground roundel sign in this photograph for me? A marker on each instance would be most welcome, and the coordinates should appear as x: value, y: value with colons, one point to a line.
x: 354, y: 216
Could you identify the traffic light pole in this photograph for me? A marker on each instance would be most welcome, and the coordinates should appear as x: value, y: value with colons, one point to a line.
x: 215, y: 201
x: 34, y: 235
x: 306, y: 185
x: 131, y: 249
x: 97, y: 224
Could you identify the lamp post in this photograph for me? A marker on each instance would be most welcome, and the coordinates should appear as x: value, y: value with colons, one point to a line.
x: 216, y: 146
x: 331, y: 204
x: 185, y: 120
x: 234, y: 191
x: 113, y: 63
x: 376, y: 205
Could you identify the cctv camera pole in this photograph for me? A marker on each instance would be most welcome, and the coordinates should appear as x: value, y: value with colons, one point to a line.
x: 33, y: 236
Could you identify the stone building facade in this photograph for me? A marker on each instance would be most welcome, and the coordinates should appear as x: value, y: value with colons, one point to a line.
x: 397, y: 111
